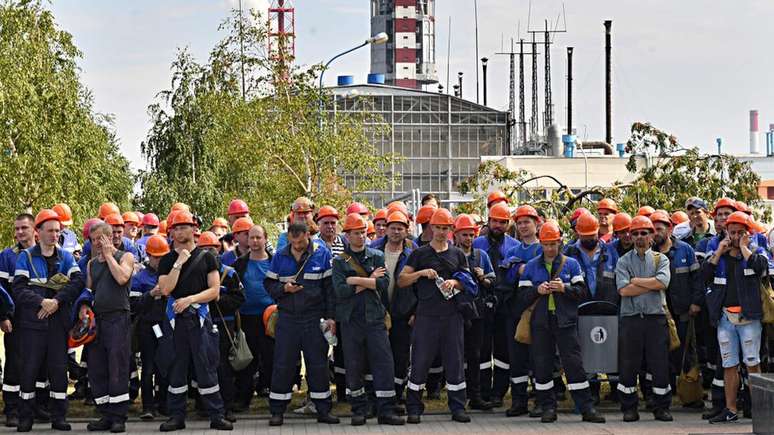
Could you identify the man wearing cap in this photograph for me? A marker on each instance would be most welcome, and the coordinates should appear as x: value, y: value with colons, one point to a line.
x: 46, y: 282
x: 108, y: 279
x: 685, y: 293
x: 360, y: 282
x: 438, y: 326
x: 189, y: 277
x: 396, y: 248
x: 698, y: 227
x: 642, y: 276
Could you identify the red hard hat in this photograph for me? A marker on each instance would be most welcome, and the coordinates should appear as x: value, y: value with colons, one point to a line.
x: 183, y: 218
x: 550, y: 232
x: 646, y: 211
x: 108, y: 208
x: 270, y: 315
x: 150, y: 219
x: 326, y: 211
x: 679, y: 217
x: 578, y: 212
x: 660, y: 216
x: 84, y: 331
x: 526, y: 211
x: 157, y: 246
x: 742, y: 206
x: 425, y: 213
x: 500, y: 212
x: 208, y: 239
x: 622, y: 221
x: 465, y: 222
x: 398, y: 217
x: 495, y: 196
x: 87, y: 227
x: 381, y: 214
x: 358, y: 208
x: 739, y: 217
x: 354, y: 221
x: 441, y: 216
x: 131, y: 217
x: 64, y: 212
x: 587, y: 225
x: 642, y: 223
x: 114, y: 219
x: 724, y: 202
x: 163, y: 228
x: 607, y: 204
x: 242, y: 224
x: 237, y: 206
x: 46, y: 215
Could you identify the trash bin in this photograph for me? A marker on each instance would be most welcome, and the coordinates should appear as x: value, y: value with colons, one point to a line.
x: 598, y: 331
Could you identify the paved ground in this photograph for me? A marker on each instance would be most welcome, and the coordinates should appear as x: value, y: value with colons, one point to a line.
x: 492, y: 423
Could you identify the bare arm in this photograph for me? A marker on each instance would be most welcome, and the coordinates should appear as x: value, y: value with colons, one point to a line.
x: 408, y: 276
x: 650, y: 284
x: 122, y: 272
x: 633, y: 290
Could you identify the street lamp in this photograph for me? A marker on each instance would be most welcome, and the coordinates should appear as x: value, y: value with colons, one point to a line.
x: 379, y: 38
x: 483, y: 66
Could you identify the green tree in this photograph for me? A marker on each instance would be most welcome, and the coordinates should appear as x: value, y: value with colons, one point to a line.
x: 54, y: 146
x: 212, y: 141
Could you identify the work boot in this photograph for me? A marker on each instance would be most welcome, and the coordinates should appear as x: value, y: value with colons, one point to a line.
x: 391, y: 420
x: 61, y: 424
x: 327, y: 418
x: 221, y: 424
x: 41, y: 415
x: 662, y: 415
x: 11, y: 421
x: 712, y: 412
x: 461, y: 417
x: 276, y: 420
x: 479, y: 404
x: 100, y: 425
x: 536, y: 412
x: 549, y: 416
x: 516, y: 410
x: 24, y: 425
x: 413, y: 419
x: 172, y: 425
x: 358, y: 420
x: 118, y: 427
x: 631, y: 415
x: 230, y: 417
x: 593, y: 416
x: 496, y: 403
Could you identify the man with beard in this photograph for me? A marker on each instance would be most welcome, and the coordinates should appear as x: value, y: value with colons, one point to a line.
x: 685, y: 292
x: 496, y: 243
x: 642, y: 275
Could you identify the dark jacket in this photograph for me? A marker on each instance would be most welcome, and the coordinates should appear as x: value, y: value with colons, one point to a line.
x: 685, y: 286
x: 232, y: 295
x: 346, y: 298
x: 394, y: 305
x: 748, y: 275
x: 575, y: 290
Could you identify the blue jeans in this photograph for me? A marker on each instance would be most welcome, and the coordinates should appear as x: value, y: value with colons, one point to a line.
x: 731, y: 337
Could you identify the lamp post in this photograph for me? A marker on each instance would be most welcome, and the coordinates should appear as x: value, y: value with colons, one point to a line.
x: 483, y: 66
x: 379, y: 38
x: 459, y: 76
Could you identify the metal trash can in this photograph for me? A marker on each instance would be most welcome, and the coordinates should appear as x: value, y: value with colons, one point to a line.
x: 598, y: 332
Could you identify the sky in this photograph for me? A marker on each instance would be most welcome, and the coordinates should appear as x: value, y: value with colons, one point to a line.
x: 691, y: 67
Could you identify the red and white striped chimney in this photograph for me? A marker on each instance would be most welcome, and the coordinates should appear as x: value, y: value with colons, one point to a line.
x: 754, y: 133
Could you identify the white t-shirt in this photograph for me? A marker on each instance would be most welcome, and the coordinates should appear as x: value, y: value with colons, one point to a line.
x: 390, y: 263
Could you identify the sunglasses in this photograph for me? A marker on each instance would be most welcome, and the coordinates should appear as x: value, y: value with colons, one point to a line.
x: 640, y: 233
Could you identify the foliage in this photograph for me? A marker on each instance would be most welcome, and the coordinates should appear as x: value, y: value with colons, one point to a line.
x: 665, y: 181
x: 212, y: 140
x: 54, y: 146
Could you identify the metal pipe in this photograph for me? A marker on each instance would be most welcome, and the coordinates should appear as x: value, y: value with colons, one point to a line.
x: 483, y: 66
x: 459, y: 76
x: 608, y: 84
x: 569, y: 90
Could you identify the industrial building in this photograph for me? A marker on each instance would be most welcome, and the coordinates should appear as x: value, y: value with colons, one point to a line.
x: 440, y: 137
x: 408, y: 59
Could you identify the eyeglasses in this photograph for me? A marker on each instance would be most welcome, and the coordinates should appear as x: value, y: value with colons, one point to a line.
x: 640, y: 233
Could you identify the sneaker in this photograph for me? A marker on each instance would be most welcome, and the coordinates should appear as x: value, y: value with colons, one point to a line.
x: 307, y: 408
x: 725, y: 416
x: 147, y: 415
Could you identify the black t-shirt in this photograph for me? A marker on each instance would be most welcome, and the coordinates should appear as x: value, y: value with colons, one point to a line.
x: 195, y: 281
x: 446, y: 263
x: 732, y: 293
x: 52, y: 263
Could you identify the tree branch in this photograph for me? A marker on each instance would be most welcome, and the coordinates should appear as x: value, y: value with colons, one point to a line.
x: 290, y: 169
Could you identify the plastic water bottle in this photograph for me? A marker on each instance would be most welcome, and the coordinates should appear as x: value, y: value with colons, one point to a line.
x: 329, y: 335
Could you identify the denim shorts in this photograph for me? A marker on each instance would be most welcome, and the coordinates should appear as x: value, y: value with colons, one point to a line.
x: 731, y: 337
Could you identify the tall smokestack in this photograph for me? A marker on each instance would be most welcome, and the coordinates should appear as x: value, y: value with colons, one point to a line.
x: 754, y: 133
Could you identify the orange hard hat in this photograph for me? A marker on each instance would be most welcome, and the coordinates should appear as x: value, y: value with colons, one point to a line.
x: 607, y: 204
x: 327, y: 211
x: 465, y: 222
x: 578, y: 212
x: 171, y: 217
x: 641, y: 223
x: 550, y: 232
x: 587, y: 225
x: 354, y: 221
x: 645, y: 210
x: 46, y: 215
x: 425, y: 213
x: 163, y: 228
x: 742, y: 206
x: 114, y: 219
x: 183, y: 218
x: 358, y: 207
x: 398, y: 206
x: 64, y: 212
x: 242, y: 224
x: 739, y: 217
x: 441, y: 216
x: 84, y: 331
x: 381, y: 214
x: 237, y: 206
x: 660, y: 216
x: 208, y: 239
x: 180, y: 206
x: 270, y: 315
x: 622, y: 221
x: 398, y: 217
x: 108, y: 208
x: 302, y: 204
x: 131, y: 217
x: 219, y: 222
x: 724, y: 202
x: 526, y: 211
x: 679, y: 217
x: 150, y: 219
x: 500, y: 212
x: 157, y: 246
x: 371, y: 228
x: 495, y: 196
